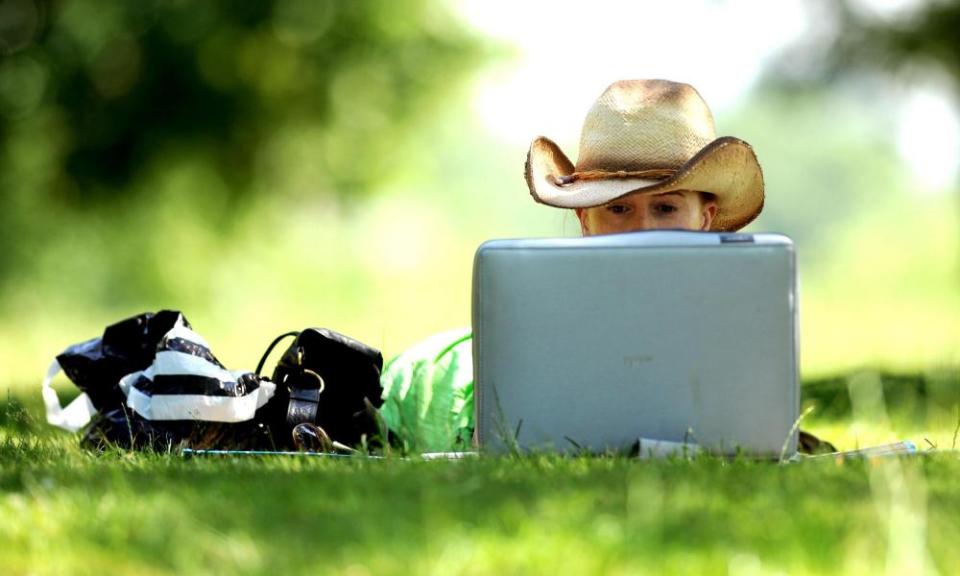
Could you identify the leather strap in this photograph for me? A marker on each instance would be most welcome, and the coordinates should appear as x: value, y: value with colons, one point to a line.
x: 303, y: 407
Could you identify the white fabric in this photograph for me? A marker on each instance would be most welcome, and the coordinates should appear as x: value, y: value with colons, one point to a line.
x: 196, y: 406
x: 191, y: 406
x: 76, y: 415
x: 165, y: 406
x: 173, y: 363
x: 180, y: 330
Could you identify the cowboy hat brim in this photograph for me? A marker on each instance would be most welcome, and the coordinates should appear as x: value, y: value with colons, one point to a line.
x: 726, y: 168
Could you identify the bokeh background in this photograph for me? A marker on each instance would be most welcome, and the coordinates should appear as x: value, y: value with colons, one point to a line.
x: 270, y: 165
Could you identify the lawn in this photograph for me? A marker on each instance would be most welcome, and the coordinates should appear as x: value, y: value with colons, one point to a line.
x: 65, y: 511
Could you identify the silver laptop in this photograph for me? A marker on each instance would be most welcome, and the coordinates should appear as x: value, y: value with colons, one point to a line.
x: 597, y: 343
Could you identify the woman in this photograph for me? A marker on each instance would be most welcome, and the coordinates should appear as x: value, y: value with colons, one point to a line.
x: 648, y: 159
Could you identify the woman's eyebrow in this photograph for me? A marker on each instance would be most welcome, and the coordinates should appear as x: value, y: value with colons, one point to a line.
x: 674, y: 193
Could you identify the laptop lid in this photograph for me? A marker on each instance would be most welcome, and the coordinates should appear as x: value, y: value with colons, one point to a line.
x: 592, y: 343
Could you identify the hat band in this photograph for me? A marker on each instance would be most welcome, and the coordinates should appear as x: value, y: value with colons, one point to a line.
x: 652, y: 174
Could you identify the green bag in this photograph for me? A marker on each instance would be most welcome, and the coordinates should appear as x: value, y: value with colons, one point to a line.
x: 428, y: 394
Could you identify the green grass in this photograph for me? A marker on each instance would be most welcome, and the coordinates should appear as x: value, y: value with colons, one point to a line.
x: 65, y: 511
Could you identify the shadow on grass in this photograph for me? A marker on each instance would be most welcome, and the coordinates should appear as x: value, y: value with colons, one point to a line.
x: 917, y: 397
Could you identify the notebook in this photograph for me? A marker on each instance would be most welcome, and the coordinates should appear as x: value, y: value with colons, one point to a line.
x: 603, y: 343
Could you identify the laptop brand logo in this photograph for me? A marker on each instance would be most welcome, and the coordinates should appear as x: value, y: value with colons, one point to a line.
x: 637, y: 360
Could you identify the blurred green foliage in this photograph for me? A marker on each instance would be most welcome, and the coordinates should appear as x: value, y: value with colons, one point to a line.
x: 127, y: 125
x: 925, y: 35
x: 269, y: 165
x: 853, y: 39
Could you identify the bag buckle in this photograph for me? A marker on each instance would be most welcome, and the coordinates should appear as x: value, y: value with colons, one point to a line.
x: 305, y: 402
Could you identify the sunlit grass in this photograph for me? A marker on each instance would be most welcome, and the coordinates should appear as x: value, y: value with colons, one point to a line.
x: 162, y: 514
x: 68, y: 511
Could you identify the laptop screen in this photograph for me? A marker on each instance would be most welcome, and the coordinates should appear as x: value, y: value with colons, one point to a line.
x: 593, y: 343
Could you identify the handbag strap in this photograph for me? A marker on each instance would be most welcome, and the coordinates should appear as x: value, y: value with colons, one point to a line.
x: 75, y: 415
x: 263, y: 360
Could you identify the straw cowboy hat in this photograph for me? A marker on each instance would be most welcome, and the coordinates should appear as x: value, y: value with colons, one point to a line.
x: 649, y: 136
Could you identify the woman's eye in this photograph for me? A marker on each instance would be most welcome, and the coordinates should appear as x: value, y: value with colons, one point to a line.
x: 618, y: 208
x: 665, y: 208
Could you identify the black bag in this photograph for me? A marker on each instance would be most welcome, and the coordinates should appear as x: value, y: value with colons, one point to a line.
x: 328, y: 380
x: 130, y: 345
x: 109, y: 415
